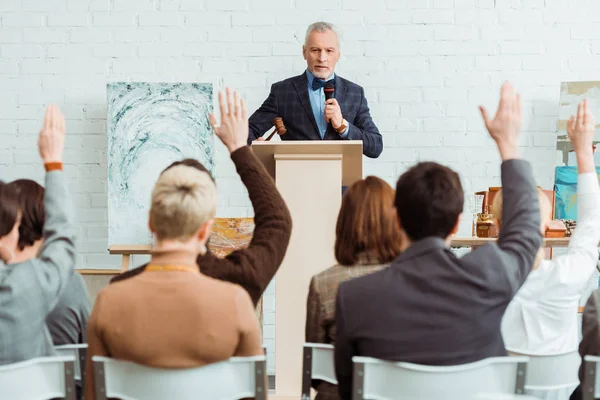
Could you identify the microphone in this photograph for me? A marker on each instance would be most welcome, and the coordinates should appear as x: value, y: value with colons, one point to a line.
x: 329, y: 90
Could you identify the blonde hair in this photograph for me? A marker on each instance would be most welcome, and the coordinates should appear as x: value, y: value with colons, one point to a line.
x: 545, y: 206
x: 183, y: 199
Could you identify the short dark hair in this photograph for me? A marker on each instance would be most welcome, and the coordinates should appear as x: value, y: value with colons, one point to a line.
x: 190, y: 162
x: 9, y: 209
x: 366, y: 223
x: 429, y: 200
x: 31, y: 199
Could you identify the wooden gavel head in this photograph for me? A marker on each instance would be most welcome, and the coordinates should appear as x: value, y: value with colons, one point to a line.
x: 279, y: 126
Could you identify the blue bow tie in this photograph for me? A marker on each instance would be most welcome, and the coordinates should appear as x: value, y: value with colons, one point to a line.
x: 320, y: 83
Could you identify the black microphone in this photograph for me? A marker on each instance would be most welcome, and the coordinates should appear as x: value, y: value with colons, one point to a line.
x: 329, y: 90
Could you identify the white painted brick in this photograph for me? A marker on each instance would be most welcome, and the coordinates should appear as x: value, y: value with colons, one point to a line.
x: 443, y: 94
x: 412, y: 32
x: 44, y: 35
x: 97, y: 5
x: 89, y: 35
x: 170, y: 5
x: 359, y: 4
x: 8, y: 6
x: 444, y: 125
x: 191, y: 5
x: 68, y: 50
x: 443, y: 3
x: 9, y: 66
x: 208, y: 18
x: 399, y: 95
x: 22, y: 51
x: 258, y: 18
x: 421, y: 110
x: 113, y: 19
x: 388, y: 18
x: 276, y: 34
x: 408, y: 4
x: 541, y: 63
x: 132, y: 34
x: 114, y: 50
x: 235, y: 35
x: 22, y: 20
x: 182, y: 34
x: 514, y: 47
x: 46, y: 5
x: 271, y: 5
x: 10, y: 36
x: 68, y: 19
x: 479, y: 17
x: 455, y: 32
x: 567, y: 47
x: 520, y: 17
x: 432, y: 16
x: 224, y: 66
x: 160, y: 18
x: 451, y: 63
x: 586, y: 31
x: 498, y: 63
x: 226, y: 5
x: 206, y: 50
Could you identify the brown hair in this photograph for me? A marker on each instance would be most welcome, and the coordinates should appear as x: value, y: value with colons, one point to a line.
x: 9, y: 209
x: 366, y: 223
x: 31, y: 198
x: 429, y: 200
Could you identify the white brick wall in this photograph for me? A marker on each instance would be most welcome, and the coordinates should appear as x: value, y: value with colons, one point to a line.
x: 425, y: 66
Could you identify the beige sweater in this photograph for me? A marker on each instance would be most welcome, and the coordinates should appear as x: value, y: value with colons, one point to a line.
x: 171, y: 319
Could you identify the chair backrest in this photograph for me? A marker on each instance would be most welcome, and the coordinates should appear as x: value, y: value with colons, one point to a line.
x: 317, y: 363
x: 551, y: 371
x: 236, y: 378
x: 591, y: 378
x: 78, y: 351
x: 384, y: 380
x: 39, y: 378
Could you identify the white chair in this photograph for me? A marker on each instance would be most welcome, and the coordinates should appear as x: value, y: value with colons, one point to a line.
x: 317, y: 363
x: 384, y: 380
x: 38, y: 378
x: 236, y: 378
x: 591, y: 378
x: 551, y: 371
x: 78, y: 351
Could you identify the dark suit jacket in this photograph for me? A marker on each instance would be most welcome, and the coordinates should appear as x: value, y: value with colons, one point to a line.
x: 590, y: 341
x: 289, y: 100
x: 431, y: 307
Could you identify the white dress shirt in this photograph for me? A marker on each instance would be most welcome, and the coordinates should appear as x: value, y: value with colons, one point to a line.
x: 542, y: 317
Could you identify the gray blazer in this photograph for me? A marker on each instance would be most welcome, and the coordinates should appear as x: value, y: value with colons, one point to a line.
x: 431, y: 307
x: 31, y: 289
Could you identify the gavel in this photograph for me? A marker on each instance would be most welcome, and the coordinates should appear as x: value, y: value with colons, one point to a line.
x: 279, y: 128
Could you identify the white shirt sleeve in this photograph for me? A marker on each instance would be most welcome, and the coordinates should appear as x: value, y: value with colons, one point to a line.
x: 581, y: 259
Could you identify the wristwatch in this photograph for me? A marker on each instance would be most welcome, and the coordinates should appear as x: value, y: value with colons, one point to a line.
x: 340, y: 129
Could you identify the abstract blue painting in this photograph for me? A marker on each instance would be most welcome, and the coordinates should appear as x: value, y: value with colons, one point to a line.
x: 151, y: 125
x: 565, y: 187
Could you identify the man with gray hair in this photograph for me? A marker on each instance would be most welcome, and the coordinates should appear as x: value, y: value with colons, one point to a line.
x: 307, y: 112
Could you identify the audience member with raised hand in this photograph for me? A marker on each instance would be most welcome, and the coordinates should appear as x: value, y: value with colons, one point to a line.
x: 30, y: 289
x: 68, y: 321
x: 255, y: 266
x: 172, y: 315
x: 367, y: 239
x: 431, y: 307
x: 542, y: 318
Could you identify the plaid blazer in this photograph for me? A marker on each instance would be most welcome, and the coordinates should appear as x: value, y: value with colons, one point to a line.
x: 320, y: 310
x: 289, y: 100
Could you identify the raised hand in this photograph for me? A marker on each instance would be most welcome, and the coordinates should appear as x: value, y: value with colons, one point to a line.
x: 505, y: 128
x: 581, y: 133
x: 233, y: 130
x: 581, y: 128
x: 51, y: 141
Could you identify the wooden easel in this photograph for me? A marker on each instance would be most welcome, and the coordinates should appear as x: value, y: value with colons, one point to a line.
x: 126, y: 251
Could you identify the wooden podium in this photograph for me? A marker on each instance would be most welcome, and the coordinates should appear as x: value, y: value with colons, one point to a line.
x: 309, y: 176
